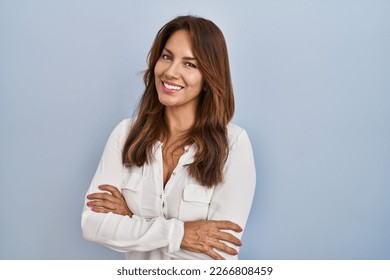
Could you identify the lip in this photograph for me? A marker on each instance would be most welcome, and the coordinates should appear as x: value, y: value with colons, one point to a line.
x: 167, y: 90
x: 172, y: 84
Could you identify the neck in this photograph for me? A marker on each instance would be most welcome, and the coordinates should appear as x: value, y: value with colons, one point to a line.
x: 179, y: 121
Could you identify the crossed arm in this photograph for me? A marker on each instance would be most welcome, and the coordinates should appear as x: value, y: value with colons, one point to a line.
x: 215, y: 238
x: 199, y: 236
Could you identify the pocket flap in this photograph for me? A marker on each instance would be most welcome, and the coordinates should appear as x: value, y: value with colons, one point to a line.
x: 197, y: 193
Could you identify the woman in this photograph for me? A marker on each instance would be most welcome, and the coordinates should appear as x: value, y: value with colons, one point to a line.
x: 177, y: 182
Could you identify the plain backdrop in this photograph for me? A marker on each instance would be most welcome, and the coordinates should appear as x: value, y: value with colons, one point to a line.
x: 312, y: 88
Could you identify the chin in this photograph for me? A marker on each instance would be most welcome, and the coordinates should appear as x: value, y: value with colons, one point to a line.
x: 165, y: 102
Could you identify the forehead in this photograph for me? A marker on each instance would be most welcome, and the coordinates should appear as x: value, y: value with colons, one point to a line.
x: 180, y: 42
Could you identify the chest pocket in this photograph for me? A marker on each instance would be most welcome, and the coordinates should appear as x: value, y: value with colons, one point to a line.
x: 132, y: 189
x: 195, y: 202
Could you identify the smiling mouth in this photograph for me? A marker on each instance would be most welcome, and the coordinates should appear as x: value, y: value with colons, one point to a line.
x: 172, y: 87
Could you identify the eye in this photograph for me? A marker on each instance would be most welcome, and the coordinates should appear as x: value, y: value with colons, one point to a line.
x: 166, y: 56
x: 191, y: 65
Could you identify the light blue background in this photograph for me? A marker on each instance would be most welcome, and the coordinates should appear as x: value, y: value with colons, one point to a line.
x: 312, y: 87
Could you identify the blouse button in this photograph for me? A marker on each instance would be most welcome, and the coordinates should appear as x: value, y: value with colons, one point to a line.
x: 161, y: 196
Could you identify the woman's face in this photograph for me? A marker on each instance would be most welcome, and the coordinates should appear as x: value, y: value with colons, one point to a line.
x: 177, y: 77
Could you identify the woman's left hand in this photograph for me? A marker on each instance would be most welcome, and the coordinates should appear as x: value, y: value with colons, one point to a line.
x: 113, y: 201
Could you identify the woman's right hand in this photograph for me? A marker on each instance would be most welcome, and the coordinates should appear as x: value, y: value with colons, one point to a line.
x: 204, y: 236
x: 109, y: 200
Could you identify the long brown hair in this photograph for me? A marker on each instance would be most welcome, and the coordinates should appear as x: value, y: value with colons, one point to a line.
x: 215, y: 107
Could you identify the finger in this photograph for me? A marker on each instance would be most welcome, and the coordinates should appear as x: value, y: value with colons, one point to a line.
x: 224, y: 248
x: 103, y: 196
x: 113, y: 190
x: 228, y: 225
x: 206, y: 249
x: 211, y: 253
x: 225, y: 236
x: 103, y: 204
x: 101, y: 210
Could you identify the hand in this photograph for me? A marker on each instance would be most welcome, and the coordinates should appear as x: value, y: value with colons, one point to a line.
x: 109, y: 202
x: 203, y: 236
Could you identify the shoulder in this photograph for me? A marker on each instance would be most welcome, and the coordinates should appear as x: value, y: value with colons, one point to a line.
x: 122, y: 129
x: 236, y: 134
x: 124, y: 126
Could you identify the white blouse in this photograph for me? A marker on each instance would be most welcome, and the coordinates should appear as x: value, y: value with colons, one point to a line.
x: 156, y: 229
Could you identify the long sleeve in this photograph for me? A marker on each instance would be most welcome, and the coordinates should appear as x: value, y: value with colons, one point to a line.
x: 122, y: 233
x: 232, y: 199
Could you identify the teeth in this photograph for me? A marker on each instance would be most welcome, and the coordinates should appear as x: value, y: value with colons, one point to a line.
x: 172, y: 87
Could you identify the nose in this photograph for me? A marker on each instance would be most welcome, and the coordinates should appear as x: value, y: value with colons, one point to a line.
x: 173, y: 71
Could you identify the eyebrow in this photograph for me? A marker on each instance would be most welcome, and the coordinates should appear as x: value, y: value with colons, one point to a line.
x: 185, y: 58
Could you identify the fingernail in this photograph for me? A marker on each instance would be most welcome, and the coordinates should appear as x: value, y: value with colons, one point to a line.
x: 89, y: 196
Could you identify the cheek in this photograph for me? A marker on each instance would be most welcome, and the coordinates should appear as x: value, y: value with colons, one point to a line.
x: 158, y: 69
x: 196, y: 81
x: 155, y: 70
x: 157, y: 74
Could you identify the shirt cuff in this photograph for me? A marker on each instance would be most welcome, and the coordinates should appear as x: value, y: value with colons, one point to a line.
x: 176, y: 236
